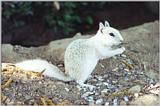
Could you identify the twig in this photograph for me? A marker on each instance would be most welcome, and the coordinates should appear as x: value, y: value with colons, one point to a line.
x: 50, y: 102
x: 43, y: 101
x: 7, y: 83
x: 128, y: 65
x: 35, y: 104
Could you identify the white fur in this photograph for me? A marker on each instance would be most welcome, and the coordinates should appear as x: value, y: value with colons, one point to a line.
x: 38, y: 65
x: 106, y: 24
x: 81, y: 56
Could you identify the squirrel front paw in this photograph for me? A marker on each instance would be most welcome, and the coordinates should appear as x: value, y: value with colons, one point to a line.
x: 121, y: 50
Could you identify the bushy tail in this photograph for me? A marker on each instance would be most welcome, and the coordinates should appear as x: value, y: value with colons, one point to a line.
x: 39, y: 65
x: 57, y: 73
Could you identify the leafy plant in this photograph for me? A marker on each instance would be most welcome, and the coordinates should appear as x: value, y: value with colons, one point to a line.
x: 66, y: 19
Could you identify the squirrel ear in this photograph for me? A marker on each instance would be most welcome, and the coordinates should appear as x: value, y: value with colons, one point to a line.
x: 101, y: 25
x: 107, y: 24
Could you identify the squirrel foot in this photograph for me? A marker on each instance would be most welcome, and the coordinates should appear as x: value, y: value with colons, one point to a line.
x: 82, y: 85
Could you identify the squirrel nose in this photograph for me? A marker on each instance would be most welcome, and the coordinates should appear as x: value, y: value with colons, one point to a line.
x: 121, y: 41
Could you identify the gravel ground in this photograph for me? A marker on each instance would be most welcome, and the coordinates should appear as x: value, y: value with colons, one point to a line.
x: 120, y: 85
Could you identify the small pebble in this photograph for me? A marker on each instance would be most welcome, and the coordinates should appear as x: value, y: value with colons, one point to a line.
x: 79, y: 87
x: 126, y: 69
x: 115, y: 69
x: 87, y: 94
x: 126, y: 98
x: 8, y: 100
x: 66, y: 89
x: 98, y: 84
x: 114, y: 81
x: 96, y: 93
x: 151, y: 81
x: 123, y: 103
x: 91, y: 103
x: 106, y: 104
x: 136, y: 95
x: 99, y: 101
x: 115, y: 102
x: 126, y: 78
x: 123, y: 55
x: 102, y: 65
x: 104, y: 91
x: 93, y: 80
x: 129, y: 61
x: 100, y: 78
x: 90, y: 88
x: 105, y: 83
x: 90, y: 99
x: 121, y: 67
x: 60, y: 65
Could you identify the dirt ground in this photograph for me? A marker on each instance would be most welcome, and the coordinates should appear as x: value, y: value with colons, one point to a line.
x: 131, y: 78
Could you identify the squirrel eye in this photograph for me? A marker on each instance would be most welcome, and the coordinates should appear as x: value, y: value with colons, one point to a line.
x: 111, y: 34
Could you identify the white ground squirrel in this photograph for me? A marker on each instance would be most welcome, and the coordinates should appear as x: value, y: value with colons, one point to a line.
x: 81, y: 56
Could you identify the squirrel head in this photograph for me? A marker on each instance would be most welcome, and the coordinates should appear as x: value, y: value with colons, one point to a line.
x: 109, y: 36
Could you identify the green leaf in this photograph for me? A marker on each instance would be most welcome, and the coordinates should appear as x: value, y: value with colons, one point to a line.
x: 67, y: 17
x: 89, y: 20
x: 61, y: 23
x: 7, y: 13
x: 77, y: 19
x: 19, y: 23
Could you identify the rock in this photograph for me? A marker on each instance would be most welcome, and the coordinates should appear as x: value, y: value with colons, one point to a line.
x: 146, y: 100
x: 27, y: 97
x: 77, y: 35
x: 99, y: 101
x: 8, y: 54
x: 152, y: 74
x: 135, y: 89
x: 54, y: 50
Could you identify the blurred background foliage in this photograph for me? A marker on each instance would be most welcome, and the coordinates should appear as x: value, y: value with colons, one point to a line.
x: 58, y: 16
x: 37, y: 23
